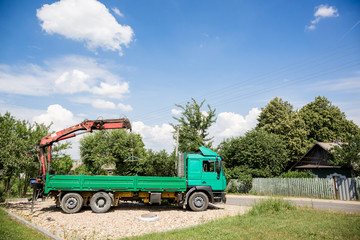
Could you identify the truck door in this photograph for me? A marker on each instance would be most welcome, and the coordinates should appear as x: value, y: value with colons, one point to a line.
x: 210, y: 175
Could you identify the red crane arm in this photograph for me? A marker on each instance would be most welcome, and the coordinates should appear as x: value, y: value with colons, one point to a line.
x: 88, y: 125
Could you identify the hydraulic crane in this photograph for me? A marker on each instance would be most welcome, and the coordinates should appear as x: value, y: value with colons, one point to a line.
x: 47, y: 142
x: 87, y: 125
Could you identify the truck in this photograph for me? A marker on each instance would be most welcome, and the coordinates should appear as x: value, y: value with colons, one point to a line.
x: 200, y: 179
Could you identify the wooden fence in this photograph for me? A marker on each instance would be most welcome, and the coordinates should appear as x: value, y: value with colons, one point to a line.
x: 298, y: 187
x: 343, y: 189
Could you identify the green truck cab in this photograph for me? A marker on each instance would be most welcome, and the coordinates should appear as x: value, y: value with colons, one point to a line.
x: 200, y: 181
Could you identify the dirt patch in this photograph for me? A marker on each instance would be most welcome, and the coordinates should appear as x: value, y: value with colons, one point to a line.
x: 119, y: 222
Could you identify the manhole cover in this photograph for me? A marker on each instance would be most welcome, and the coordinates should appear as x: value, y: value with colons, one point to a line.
x: 149, y: 217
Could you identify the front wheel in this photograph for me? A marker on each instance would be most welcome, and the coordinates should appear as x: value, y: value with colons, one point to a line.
x: 71, y: 203
x: 198, y: 201
x: 100, y: 202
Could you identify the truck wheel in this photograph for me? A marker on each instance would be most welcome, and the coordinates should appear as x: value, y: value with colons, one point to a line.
x: 198, y: 201
x: 71, y: 203
x: 100, y: 202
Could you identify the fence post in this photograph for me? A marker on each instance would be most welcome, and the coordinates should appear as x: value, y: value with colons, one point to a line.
x: 335, y: 187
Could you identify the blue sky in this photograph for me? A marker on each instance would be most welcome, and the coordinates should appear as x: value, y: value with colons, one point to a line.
x: 64, y: 61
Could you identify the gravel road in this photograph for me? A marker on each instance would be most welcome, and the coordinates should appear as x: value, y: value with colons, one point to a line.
x: 119, y: 222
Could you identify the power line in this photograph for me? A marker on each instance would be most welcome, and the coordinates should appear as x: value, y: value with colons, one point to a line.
x: 321, y: 59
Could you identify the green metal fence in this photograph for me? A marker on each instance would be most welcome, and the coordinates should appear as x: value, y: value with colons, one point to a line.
x: 297, y: 187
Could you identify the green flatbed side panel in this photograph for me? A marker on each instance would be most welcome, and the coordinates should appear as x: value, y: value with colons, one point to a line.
x: 113, y: 183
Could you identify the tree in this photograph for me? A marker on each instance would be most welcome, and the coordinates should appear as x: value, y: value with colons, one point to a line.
x: 158, y: 164
x: 111, y: 147
x: 279, y: 118
x: 13, y: 142
x: 18, y: 152
x: 194, y: 125
x: 325, y: 122
x: 257, y: 154
x: 273, y: 115
x: 348, y: 155
x: 61, y: 162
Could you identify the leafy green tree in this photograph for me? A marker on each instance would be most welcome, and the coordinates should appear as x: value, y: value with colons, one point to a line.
x: 111, y: 147
x: 348, y: 155
x: 279, y: 118
x: 18, y: 151
x: 61, y: 162
x: 273, y: 115
x: 13, y: 142
x: 158, y: 164
x: 325, y: 122
x: 194, y: 124
x: 257, y: 154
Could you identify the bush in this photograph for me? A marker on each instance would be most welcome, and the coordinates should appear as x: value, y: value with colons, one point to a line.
x: 233, y: 186
x: 297, y: 174
x: 271, y: 206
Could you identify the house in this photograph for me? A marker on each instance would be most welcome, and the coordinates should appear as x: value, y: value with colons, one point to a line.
x: 317, y: 161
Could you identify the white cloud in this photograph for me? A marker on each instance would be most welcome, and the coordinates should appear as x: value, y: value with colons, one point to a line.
x: 117, y: 12
x: 227, y: 125
x: 30, y: 77
x: 125, y: 107
x: 176, y: 111
x: 230, y: 124
x: 59, y: 116
x: 322, y: 11
x: 116, y: 90
x: 72, y: 82
x: 19, y: 112
x: 86, y: 21
x: 102, y: 104
x: 66, y: 75
x: 155, y: 137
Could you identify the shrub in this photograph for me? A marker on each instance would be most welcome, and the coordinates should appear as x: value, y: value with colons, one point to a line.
x: 297, y: 174
x: 271, y: 206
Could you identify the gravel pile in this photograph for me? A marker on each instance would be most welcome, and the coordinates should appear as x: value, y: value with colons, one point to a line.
x: 122, y: 221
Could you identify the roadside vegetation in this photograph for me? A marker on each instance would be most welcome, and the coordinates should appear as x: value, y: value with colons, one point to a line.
x: 273, y: 219
x: 11, y: 229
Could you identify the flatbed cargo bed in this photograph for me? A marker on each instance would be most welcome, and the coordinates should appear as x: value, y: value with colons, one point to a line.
x: 113, y: 183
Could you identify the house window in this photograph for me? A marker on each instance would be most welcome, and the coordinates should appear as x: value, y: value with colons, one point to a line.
x: 208, y: 166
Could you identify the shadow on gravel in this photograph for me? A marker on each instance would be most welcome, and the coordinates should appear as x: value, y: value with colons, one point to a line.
x: 39, y: 210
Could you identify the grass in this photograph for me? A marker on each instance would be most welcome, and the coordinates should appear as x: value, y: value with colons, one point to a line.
x: 11, y: 229
x: 269, y: 219
x: 273, y: 219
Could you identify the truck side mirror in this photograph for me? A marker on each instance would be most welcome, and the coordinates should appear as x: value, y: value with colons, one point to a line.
x: 218, y: 169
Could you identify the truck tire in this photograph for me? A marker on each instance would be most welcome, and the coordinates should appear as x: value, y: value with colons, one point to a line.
x: 100, y: 202
x: 71, y: 202
x: 198, y: 201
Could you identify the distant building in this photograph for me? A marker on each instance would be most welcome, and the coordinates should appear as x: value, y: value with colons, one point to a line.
x: 316, y: 160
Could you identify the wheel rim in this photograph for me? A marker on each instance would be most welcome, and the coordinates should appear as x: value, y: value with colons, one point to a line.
x: 198, y: 202
x: 71, y: 203
x: 101, y: 202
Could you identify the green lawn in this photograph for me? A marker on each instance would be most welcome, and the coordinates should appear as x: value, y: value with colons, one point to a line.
x: 12, y: 230
x: 276, y: 223
x: 269, y: 219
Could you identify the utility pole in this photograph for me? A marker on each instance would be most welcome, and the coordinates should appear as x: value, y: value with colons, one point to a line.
x: 177, y: 142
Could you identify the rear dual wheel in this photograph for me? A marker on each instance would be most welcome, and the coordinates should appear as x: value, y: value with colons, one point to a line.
x: 100, y: 202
